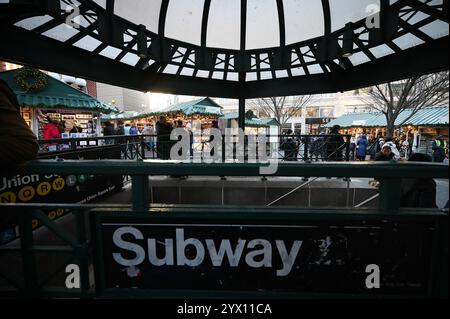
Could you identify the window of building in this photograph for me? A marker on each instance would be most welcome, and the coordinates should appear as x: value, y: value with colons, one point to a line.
x: 358, y: 109
x: 327, y: 112
x: 312, y: 112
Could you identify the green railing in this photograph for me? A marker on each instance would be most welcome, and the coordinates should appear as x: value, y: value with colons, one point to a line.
x: 85, y: 248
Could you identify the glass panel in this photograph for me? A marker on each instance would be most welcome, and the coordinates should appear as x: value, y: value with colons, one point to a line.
x: 187, y: 72
x: 130, y: 59
x: 266, y: 75
x: 224, y: 19
x: 359, y: 58
x: 218, y: 75
x: 171, y: 69
x: 298, y: 71
x: 414, y: 17
x: 436, y: 29
x: 144, y: 12
x: 381, y: 51
x: 110, y: 52
x: 281, y: 74
x: 62, y: 32
x: 407, y: 41
x: 184, y: 20
x: 101, y: 3
x: 202, y: 74
x: 87, y: 43
x: 33, y: 22
x: 251, y: 77
x: 344, y: 11
x: 262, y: 24
x: 303, y: 19
x: 233, y: 76
x: 315, y: 69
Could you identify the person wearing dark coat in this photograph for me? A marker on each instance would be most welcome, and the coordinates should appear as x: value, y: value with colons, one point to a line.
x: 334, y: 145
x: 17, y: 142
x: 385, y: 155
x: 109, y: 130
x: 418, y: 192
x: 440, y: 149
x: 163, y: 130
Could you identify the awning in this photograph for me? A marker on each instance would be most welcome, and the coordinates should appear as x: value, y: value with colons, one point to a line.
x: 252, y: 122
x: 56, y: 94
x: 204, y: 106
x: 429, y: 116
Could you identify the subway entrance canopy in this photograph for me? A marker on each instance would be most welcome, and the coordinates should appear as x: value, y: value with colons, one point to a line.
x: 229, y: 48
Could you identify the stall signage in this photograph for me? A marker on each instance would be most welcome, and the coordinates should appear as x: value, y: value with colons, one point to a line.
x: 359, y: 123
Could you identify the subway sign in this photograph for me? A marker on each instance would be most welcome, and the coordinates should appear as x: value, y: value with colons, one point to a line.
x: 303, y: 256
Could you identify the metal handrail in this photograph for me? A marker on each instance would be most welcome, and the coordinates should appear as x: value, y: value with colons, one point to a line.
x: 389, y: 173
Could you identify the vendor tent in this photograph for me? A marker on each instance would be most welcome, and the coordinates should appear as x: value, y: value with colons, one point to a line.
x: 429, y: 116
x: 54, y: 94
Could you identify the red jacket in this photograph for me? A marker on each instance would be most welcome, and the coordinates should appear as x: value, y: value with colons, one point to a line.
x: 51, y: 131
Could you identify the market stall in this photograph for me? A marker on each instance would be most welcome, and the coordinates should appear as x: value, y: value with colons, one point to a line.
x: 421, y: 128
x: 41, y: 96
x: 204, y: 110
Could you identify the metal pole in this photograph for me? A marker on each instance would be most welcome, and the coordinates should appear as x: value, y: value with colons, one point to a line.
x: 305, y: 156
x: 292, y: 191
x: 242, y: 112
x: 28, y: 257
x: 140, y: 189
x: 390, y: 193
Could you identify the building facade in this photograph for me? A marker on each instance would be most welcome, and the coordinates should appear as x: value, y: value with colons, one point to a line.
x: 322, y: 109
x: 125, y: 100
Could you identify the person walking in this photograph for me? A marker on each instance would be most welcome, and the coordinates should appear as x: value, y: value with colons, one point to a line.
x: 440, y: 149
x: 361, y: 147
x: 148, y: 133
x: 108, y: 130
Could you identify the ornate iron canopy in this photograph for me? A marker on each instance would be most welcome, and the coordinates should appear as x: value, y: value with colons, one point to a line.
x: 229, y: 48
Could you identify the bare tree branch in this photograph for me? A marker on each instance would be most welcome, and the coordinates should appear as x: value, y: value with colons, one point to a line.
x: 282, y: 108
x: 413, y: 94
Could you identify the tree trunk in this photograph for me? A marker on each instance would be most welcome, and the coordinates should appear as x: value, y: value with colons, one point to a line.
x: 390, y: 126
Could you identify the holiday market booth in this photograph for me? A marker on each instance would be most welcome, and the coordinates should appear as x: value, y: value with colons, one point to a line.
x: 421, y: 128
x: 204, y: 110
x: 41, y: 96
